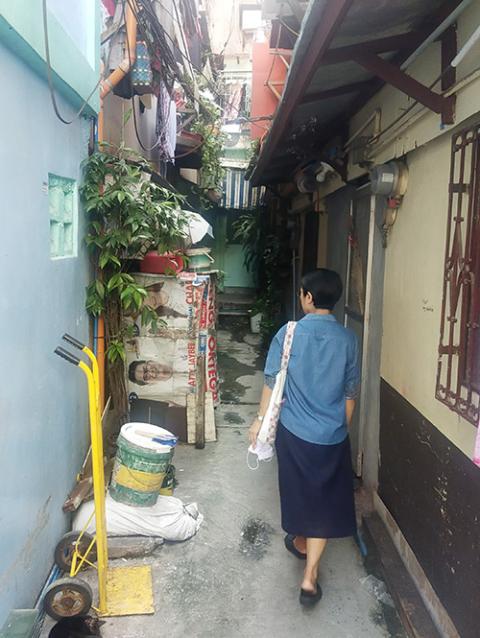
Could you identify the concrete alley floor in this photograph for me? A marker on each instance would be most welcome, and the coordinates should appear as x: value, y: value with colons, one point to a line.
x: 235, y: 579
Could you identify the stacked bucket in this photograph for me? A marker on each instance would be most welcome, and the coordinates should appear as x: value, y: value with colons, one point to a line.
x: 143, y: 465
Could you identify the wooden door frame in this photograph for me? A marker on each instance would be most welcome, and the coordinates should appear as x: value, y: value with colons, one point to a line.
x: 369, y: 418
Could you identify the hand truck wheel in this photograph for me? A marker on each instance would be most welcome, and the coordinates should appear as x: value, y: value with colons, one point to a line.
x: 67, y: 597
x: 66, y: 547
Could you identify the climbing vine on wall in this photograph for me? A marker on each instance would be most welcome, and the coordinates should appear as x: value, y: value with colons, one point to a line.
x: 128, y: 214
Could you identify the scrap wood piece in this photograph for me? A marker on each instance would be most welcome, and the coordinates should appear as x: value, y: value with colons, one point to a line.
x: 83, y: 490
x: 79, y: 493
x: 200, y: 404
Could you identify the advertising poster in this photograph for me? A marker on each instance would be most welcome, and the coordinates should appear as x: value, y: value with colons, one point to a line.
x: 160, y: 369
x: 211, y: 342
x: 161, y: 362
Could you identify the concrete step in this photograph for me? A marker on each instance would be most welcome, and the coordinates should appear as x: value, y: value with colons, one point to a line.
x: 235, y: 303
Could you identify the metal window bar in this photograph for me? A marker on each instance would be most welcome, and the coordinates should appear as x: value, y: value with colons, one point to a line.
x: 458, y: 374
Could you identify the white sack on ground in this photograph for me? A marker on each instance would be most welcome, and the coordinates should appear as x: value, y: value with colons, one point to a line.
x: 169, y: 518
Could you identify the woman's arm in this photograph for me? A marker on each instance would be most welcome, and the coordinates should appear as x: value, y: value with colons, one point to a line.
x: 349, y: 409
x: 257, y: 423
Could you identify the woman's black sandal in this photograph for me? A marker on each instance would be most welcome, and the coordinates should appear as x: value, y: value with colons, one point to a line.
x: 290, y: 546
x: 310, y: 598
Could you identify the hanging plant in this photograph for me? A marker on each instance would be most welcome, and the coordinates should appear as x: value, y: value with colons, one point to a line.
x: 208, y: 126
x: 128, y: 215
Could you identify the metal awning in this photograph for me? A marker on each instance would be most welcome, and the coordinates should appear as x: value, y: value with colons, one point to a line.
x: 238, y: 193
x: 347, y: 50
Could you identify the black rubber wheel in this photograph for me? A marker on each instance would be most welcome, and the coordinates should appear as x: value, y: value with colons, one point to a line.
x: 66, y: 546
x: 67, y: 597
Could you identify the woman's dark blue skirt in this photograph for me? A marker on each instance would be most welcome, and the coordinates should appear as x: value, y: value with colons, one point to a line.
x: 316, y: 487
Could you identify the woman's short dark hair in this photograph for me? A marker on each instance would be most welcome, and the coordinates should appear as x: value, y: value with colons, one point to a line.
x: 325, y: 286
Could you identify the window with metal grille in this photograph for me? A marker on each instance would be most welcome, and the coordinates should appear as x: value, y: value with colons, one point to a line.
x: 63, y: 210
x: 458, y: 378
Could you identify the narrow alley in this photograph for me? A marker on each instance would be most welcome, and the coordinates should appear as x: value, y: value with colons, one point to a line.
x: 234, y: 579
x: 240, y: 388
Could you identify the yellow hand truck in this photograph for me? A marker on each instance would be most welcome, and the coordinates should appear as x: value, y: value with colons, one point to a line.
x: 121, y: 591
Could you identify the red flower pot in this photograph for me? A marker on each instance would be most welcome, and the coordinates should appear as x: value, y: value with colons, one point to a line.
x: 168, y: 263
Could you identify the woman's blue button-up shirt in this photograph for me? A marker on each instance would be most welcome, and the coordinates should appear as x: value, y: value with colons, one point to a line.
x: 322, y: 373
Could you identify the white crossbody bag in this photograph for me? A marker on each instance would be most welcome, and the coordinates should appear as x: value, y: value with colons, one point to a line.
x: 266, y: 436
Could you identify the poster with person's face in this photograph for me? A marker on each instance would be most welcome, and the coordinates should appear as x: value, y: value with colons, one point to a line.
x: 170, y: 299
x: 161, y: 362
x: 160, y: 369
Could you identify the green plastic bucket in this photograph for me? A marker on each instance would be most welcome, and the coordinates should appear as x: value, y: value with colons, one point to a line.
x: 141, y: 464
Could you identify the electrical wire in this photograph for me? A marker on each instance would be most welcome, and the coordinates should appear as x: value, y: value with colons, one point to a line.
x: 210, y: 86
x: 148, y: 8
x: 146, y: 149
x: 232, y: 26
x: 182, y: 34
x: 134, y: 113
x: 50, y: 75
x: 289, y: 28
x: 404, y: 113
x: 194, y: 148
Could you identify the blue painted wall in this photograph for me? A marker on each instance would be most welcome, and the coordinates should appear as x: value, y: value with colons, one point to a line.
x: 74, y: 37
x: 43, y: 417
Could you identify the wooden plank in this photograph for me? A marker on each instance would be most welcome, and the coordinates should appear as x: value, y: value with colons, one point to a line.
x: 405, y: 41
x: 409, y: 603
x: 326, y: 94
x: 200, y: 404
x: 400, y: 80
x: 210, y: 427
x: 191, y: 407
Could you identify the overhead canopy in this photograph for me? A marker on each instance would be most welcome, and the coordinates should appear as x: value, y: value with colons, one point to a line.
x: 347, y: 50
x: 237, y: 192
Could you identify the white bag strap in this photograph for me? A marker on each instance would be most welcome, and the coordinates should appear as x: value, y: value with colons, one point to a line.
x: 287, y: 344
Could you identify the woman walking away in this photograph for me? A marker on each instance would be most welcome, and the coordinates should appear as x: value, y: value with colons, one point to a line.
x: 313, y: 448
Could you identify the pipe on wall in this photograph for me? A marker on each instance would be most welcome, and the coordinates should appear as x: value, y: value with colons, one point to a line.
x: 126, y: 64
x: 449, y: 20
x: 106, y: 86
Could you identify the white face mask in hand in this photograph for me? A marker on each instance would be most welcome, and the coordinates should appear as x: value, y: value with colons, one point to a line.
x: 263, y: 452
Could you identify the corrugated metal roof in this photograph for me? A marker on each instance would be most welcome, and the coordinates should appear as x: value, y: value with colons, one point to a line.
x: 323, y: 100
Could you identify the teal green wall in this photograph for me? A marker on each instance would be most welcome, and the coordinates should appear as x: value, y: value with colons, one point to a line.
x: 236, y: 275
x: 21, y: 30
x: 229, y: 255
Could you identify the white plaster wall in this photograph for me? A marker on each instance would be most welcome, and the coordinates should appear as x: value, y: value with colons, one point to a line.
x: 413, y: 291
x: 416, y: 250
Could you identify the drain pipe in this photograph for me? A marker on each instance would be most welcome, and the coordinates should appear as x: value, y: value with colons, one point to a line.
x: 106, y: 86
x: 449, y: 20
x: 126, y: 64
x: 473, y: 39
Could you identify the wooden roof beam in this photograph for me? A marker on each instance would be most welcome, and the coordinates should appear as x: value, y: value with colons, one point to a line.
x: 353, y: 87
x: 319, y: 29
x: 405, y: 41
x: 394, y: 76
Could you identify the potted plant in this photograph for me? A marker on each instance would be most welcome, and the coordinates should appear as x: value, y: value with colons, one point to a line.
x: 256, y: 315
